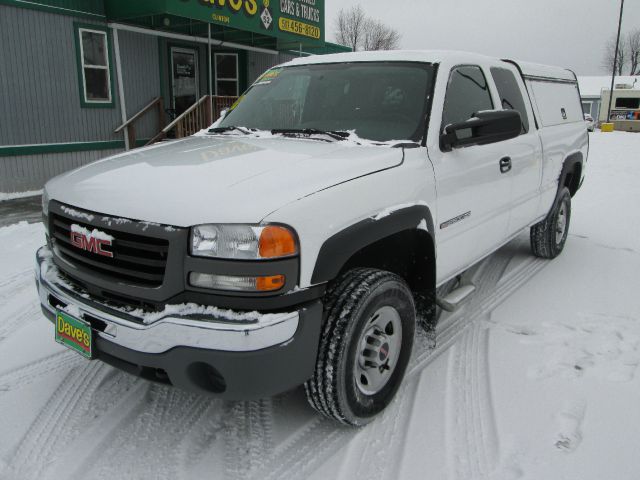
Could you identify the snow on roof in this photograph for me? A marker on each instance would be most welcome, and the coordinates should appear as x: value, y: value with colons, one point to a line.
x: 591, y: 86
x: 432, y: 56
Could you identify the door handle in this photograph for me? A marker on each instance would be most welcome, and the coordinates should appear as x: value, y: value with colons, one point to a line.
x: 505, y: 164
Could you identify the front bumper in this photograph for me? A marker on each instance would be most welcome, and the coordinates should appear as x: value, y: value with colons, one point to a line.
x: 202, y: 349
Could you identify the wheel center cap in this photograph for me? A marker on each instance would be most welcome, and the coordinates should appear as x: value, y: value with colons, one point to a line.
x: 383, y: 352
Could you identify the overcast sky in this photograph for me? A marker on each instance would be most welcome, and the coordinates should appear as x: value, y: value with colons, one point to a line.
x: 568, y: 33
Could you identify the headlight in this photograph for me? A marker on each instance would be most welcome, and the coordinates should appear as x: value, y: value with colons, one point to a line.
x: 45, y: 203
x: 243, y: 242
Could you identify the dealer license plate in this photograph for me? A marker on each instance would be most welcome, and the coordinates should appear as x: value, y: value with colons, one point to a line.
x: 74, y: 333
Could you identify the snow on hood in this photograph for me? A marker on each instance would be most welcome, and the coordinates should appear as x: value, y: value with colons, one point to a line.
x: 216, y: 179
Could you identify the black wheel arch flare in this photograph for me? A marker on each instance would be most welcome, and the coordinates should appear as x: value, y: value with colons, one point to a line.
x: 571, y: 173
x: 339, y: 249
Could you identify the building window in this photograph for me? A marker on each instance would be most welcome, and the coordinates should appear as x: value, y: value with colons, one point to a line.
x: 227, y: 74
x: 628, y: 102
x: 586, y: 107
x: 94, y: 66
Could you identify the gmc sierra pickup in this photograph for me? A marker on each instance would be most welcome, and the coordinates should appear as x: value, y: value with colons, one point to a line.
x: 293, y: 241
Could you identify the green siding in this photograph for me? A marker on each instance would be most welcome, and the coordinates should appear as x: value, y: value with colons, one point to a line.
x: 18, y: 150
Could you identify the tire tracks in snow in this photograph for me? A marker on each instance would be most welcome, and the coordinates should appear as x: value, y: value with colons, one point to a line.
x: 320, y: 439
x: 386, y: 461
x: 58, y: 423
x: 147, y: 440
x: 153, y: 432
x: 15, y: 320
x: 33, y: 371
x: 248, y: 436
x: 473, y: 445
x: 380, y: 446
x: 472, y: 439
x: 17, y: 311
x: 16, y: 283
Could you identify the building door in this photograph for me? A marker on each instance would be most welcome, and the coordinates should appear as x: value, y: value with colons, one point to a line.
x: 184, y: 78
x: 227, y: 74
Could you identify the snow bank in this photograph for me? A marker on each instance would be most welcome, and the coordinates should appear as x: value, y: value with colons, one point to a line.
x: 18, y: 244
x: 13, y: 195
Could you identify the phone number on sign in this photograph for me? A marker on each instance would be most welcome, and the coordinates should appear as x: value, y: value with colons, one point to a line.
x: 299, y: 28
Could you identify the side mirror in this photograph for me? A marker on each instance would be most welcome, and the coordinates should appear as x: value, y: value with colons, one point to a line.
x: 484, y: 127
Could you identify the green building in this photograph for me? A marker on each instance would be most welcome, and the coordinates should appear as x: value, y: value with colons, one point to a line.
x: 84, y: 79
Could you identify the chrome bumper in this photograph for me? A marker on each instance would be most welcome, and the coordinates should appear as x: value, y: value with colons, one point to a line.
x: 167, y: 332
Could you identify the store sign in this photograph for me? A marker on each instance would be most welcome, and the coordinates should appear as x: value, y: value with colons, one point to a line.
x: 184, y: 70
x: 289, y: 20
x: 625, y: 114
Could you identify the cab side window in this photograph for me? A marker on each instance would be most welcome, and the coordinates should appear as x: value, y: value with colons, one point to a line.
x: 510, y: 94
x: 467, y: 94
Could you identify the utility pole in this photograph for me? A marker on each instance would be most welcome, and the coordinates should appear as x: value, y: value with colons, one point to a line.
x: 615, y: 62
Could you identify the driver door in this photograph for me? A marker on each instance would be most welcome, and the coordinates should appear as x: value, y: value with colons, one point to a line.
x: 473, y: 194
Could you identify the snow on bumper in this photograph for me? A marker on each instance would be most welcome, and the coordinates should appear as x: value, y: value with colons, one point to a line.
x: 214, y: 329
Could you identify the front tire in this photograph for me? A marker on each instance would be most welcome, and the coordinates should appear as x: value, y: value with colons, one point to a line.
x: 365, y: 347
x: 549, y: 236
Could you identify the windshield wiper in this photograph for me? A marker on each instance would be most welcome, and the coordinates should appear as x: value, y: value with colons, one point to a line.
x: 335, y: 134
x: 231, y: 128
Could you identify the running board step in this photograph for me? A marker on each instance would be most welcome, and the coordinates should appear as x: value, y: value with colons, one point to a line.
x: 456, y: 298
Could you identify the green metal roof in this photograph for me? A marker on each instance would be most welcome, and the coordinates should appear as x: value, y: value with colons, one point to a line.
x: 287, y: 25
x: 261, y: 23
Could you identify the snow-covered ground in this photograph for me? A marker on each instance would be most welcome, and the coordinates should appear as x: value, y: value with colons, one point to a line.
x: 536, y: 378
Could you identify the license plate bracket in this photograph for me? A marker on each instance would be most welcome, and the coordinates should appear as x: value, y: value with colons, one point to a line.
x: 74, y: 333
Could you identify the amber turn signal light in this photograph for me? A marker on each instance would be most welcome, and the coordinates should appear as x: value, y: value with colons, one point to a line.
x: 269, y: 284
x: 276, y: 242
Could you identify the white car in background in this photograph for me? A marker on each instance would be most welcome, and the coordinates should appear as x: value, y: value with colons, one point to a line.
x: 588, y: 119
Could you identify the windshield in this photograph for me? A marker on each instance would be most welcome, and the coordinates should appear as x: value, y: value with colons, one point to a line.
x: 381, y: 101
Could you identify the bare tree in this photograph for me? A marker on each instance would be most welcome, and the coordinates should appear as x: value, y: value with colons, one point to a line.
x: 349, y: 27
x: 378, y: 36
x: 633, y: 41
x: 354, y: 29
x: 628, y: 54
x: 609, y: 52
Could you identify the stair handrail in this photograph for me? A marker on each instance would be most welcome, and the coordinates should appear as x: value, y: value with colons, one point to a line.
x: 139, y: 114
x: 130, y: 127
x: 180, y: 117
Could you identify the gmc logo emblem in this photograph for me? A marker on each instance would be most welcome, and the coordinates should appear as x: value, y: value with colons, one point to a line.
x: 90, y: 244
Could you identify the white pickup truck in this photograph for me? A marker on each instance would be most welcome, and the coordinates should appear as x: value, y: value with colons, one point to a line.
x: 291, y: 243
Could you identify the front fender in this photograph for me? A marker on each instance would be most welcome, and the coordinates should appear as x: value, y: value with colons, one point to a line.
x: 338, y: 249
x: 383, y: 195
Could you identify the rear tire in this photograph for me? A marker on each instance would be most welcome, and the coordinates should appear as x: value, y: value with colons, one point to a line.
x: 365, y: 346
x: 549, y: 236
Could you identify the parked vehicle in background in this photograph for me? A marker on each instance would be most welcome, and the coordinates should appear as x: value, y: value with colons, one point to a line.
x: 295, y: 241
x: 588, y: 119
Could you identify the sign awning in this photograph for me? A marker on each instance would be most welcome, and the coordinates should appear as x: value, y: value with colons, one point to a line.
x: 279, y: 24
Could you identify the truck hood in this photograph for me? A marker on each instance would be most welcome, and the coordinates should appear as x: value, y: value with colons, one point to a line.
x: 216, y: 179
